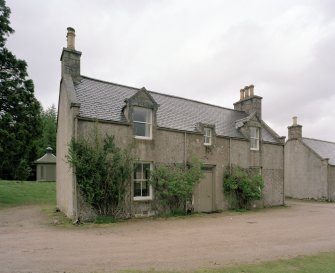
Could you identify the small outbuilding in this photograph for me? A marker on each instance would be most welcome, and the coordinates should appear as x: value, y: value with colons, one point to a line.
x: 309, y: 166
x: 46, y: 166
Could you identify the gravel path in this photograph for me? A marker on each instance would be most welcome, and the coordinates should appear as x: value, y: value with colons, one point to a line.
x: 27, y: 244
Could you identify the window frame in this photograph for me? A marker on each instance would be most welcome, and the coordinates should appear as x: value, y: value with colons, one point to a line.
x: 142, y: 198
x: 143, y: 122
x: 209, y: 137
x: 255, y: 138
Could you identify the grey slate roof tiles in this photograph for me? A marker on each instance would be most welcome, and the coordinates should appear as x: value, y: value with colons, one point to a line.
x: 104, y: 100
x: 324, y: 149
x: 47, y: 158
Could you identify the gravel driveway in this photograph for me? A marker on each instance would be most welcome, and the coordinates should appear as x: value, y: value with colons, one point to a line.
x: 27, y: 244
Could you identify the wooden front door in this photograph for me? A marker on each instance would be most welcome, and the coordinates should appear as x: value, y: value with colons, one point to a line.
x: 203, y: 193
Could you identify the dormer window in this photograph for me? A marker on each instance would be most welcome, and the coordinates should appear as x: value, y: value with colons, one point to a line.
x: 207, y: 136
x: 142, y: 120
x: 254, y: 138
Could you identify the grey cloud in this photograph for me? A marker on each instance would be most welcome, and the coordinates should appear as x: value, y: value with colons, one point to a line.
x: 194, y: 50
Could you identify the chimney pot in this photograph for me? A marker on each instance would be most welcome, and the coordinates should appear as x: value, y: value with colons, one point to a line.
x: 241, y: 94
x: 251, y: 90
x: 71, y: 34
x: 295, y: 121
x: 246, y: 92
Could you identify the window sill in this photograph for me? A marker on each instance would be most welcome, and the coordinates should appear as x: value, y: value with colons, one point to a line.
x: 143, y: 138
x: 207, y: 144
x: 254, y: 149
x: 140, y: 198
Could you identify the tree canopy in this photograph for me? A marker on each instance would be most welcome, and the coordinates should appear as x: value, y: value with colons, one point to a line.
x: 20, y: 112
x: 5, y: 28
x: 48, y: 137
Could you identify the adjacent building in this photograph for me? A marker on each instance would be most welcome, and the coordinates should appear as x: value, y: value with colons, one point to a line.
x: 164, y: 129
x: 46, y: 166
x: 309, y: 166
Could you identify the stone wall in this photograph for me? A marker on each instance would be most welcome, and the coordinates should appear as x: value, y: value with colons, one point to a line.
x: 305, y: 173
x: 170, y: 146
x: 331, y: 182
x: 65, y: 131
x: 273, y: 174
x: 48, y: 173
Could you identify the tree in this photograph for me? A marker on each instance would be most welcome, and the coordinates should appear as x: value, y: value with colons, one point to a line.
x: 20, y: 118
x: 48, y: 137
x: 5, y: 28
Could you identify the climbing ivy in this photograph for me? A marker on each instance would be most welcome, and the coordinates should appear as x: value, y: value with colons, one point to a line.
x: 242, y: 186
x: 174, y: 184
x: 103, y: 173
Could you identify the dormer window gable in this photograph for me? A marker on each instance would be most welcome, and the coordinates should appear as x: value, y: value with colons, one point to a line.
x: 208, y: 131
x: 141, y: 111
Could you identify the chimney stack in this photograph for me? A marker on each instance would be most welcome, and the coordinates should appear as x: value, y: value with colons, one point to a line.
x: 71, y: 37
x: 71, y: 57
x: 295, y: 130
x: 248, y: 102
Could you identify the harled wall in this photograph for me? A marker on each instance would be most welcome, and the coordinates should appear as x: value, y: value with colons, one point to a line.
x: 305, y: 173
x: 171, y: 146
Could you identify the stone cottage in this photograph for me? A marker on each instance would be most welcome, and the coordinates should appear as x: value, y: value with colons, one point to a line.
x: 46, y: 166
x: 165, y: 129
x: 309, y: 166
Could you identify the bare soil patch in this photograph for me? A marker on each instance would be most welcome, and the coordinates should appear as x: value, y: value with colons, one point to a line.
x: 28, y: 244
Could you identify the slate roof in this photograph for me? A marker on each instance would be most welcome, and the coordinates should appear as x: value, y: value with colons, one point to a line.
x: 104, y: 100
x: 47, y: 158
x: 324, y: 149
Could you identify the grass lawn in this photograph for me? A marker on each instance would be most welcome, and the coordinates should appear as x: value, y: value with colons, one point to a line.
x: 322, y: 263
x: 17, y: 193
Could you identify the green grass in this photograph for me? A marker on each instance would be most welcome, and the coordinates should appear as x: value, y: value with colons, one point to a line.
x: 105, y: 219
x: 17, y: 193
x: 322, y: 263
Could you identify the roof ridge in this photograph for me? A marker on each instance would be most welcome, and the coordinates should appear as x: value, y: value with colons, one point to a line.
x: 162, y: 94
x: 319, y: 140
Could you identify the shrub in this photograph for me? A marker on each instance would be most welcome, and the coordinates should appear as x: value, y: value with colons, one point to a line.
x: 241, y: 186
x: 174, y: 184
x: 103, y: 173
x: 23, y: 170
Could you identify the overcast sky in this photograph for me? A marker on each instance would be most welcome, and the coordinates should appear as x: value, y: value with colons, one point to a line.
x: 202, y: 50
